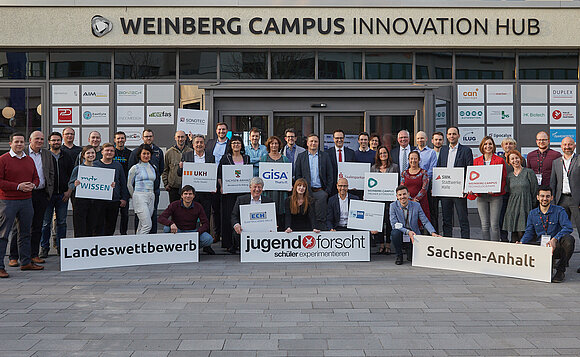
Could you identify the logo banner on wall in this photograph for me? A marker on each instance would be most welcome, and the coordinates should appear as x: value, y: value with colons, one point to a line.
x: 345, y: 246
x: 133, y: 135
x: 534, y: 114
x: 557, y: 134
x: 470, y: 93
x: 236, y: 178
x: 500, y: 93
x: 93, y: 94
x: 448, y: 182
x: 483, y: 178
x: 201, y: 176
x: 562, y: 115
x: 500, y: 114
x: 470, y: 115
x: 563, y: 93
x: 65, y: 94
x: 130, y: 115
x: 65, y: 115
x: 354, y: 172
x: 95, y: 183
x: 95, y: 115
x: 258, y: 218
x: 381, y: 186
x: 471, y: 135
x: 475, y: 256
x: 276, y: 176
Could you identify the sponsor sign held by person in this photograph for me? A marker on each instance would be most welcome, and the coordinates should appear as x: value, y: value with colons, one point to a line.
x: 258, y: 218
x: 366, y: 215
x: 192, y: 121
x: 95, y: 182
x: 448, y: 182
x: 201, y: 176
x: 276, y: 176
x: 236, y: 178
x: 380, y: 186
x: 354, y: 172
x: 483, y: 178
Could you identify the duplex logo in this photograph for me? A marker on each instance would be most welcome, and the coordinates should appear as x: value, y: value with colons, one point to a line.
x: 474, y: 175
x: 372, y: 182
x: 65, y: 115
x: 100, y: 26
x: 258, y: 215
x: 274, y: 175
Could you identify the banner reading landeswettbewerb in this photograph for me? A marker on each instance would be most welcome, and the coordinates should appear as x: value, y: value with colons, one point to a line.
x: 128, y: 250
x: 475, y: 256
x: 344, y: 246
x: 95, y: 183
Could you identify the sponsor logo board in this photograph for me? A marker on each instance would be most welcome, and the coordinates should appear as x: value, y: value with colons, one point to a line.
x: 131, y: 93
x: 562, y: 115
x: 500, y: 114
x: 133, y: 135
x: 470, y: 93
x: 276, y: 176
x: 562, y: 93
x: 470, y: 115
x: 483, y: 178
x: 534, y: 114
x: 354, y: 172
x: 65, y: 115
x: 95, y: 115
x: 95, y: 183
x: 130, y: 115
x: 93, y: 94
x: 448, y: 182
x: 65, y: 94
x: 380, y: 186
x: 558, y: 133
x: 160, y: 115
x: 500, y: 93
x: 471, y: 135
x: 201, y: 176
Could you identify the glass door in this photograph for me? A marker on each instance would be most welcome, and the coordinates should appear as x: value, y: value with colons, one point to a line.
x: 387, y: 126
x: 241, y: 124
x: 351, y: 123
x: 21, y: 112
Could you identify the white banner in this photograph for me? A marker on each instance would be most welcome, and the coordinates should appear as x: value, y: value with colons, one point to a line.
x: 202, y: 176
x: 563, y: 115
x: 483, y: 178
x: 131, y: 93
x: 381, y: 186
x: 345, y: 246
x: 128, y: 250
x: 97, y: 93
x: 258, y: 218
x: 534, y: 114
x: 365, y: 215
x: 475, y: 256
x: 95, y: 183
x: 160, y: 93
x: 236, y: 178
x: 448, y: 182
x: 192, y: 121
x: 276, y: 176
x: 533, y: 93
x: 354, y: 172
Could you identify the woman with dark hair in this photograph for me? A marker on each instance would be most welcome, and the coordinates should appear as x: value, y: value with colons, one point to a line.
x: 273, y: 146
x: 417, y: 181
x: 384, y: 164
x: 141, y: 184
x: 300, y: 214
x: 84, y: 222
x: 235, y: 155
x: 374, y: 141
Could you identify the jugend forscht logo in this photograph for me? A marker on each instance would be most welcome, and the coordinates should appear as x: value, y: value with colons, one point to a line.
x: 101, y: 26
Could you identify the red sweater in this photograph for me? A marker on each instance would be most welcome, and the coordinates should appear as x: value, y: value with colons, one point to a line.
x: 184, y: 218
x: 495, y: 160
x: 14, y: 171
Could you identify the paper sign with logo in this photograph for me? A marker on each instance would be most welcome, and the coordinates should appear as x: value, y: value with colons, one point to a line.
x: 95, y: 183
x: 65, y: 115
x: 95, y: 93
x: 131, y: 93
x: 128, y: 250
x: 130, y: 115
x: 483, y: 257
x: 471, y: 135
x: 470, y: 94
x: 65, y: 94
x: 381, y: 186
x: 192, y: 121
x: 483, y: 178
x: 258, y: 218
x: 534, y: 114
x: 354, y: 172
x: 448, y: 182
x: 347, y: 246
x: 159, y: 115
x: 562, y: 93
x: 276, y: 176
x: 365, y: 215
x: 133, y: 135
x: 500, y: 114
x: 95, y: 115
x: 236, y: 178
x: 202, y: 176
x: 557, y: 134
x: 500, y: 93
x: 561, y: 115
x: 470, y: 115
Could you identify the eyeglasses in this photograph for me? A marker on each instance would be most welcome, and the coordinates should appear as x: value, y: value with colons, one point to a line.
x: 290, y: 137
x: 541, y: 139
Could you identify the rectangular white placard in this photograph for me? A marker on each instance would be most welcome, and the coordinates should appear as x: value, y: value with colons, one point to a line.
x: 534, y: 114
x: 95, y: 183
x: 131, y: 93
x: 85, y: 131
x: 157, y: 115
x: 498, y: 133
x: 448, y: 182
x: 130, y: 115
x: 563, y: 115
x: 563, y: 93
x: 381, y: 186
x: 470, y: 115
x: 65, y: 94
x: 236, y: 178
x: 258, y: 218
x: 95, y: 115
x: 192, y: 121
x: 483, y: 178
x: 65, y: 115
x: 95, y: 93
x: 133, y: 135
x: 354, y: 172
x: 160, y: 93
x: 202, y: 176
x: 534, y: 93
x: 365, y: 215
x: 128, y: 250
x: 483, y: 257
x: 440, y: 112
x: 500, y: 93
x: 345, y: 246
x: 276, y: 176
x: 470, y: 93
x: 471, y: 135
x: 500, y: 114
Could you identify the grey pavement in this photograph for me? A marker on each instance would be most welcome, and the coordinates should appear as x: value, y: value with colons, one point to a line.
x: 220, y: 307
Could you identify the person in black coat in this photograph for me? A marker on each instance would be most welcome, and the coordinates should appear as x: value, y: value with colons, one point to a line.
x: 339, y: 152
x: 299, y: 209
x: 403, y: 140
x: 337, y: 215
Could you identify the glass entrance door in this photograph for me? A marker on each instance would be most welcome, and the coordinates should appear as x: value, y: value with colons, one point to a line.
x: 21, y: 112
x: 351, y: 123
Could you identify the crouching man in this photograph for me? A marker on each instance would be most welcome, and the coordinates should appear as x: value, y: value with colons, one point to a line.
x: 181, y: 216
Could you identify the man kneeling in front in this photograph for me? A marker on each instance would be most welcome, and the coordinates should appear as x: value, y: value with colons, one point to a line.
x: 551, y: 221
x: 405, y: 215
x: 181, y: 216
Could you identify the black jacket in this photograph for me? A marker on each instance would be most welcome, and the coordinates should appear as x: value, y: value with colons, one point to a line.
x: 62, y: 170
x: 333, y: 210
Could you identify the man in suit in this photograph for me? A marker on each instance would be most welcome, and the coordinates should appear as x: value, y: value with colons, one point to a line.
x: 455, y: 155
x: 315, y: 167
x: 339, y: 153
x: 400, y: 154
x: 254, y: 198
x: 405, y: 215
x: 291, y: 150
x: 565, y: 180
x: 337, y: 215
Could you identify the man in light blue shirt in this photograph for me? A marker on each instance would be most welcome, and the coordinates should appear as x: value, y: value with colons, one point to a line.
x: 255, y: 150
x: 428, y: 156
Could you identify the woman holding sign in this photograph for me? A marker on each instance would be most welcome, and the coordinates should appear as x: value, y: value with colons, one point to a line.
x: 141, y: 183
x: 235, y: 155
x: 417, y: 181
x: 522, y: 185
x: 300, y: 215
x: 273, y: 146
x: 384, y: 164
x: 489, y: 204
x: 84, y: 222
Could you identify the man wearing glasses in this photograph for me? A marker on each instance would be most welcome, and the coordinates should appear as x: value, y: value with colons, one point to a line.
x: 540, y: 160
x: 339, y: 153
x: 291, y: 150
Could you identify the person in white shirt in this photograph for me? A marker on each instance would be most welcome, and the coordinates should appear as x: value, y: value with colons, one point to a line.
x: 337, y: 213
x: 565, y: 180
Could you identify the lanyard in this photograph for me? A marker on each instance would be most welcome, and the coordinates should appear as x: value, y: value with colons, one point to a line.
x: 541, y: 163
x: 406, y: 213
x: 544, y: 222
x: 569, y: 165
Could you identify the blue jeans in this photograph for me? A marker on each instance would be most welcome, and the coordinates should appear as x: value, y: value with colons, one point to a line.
x: 55, y: 204
x: 205, y: 239
x: 22, y: 212
x: 489, y: 208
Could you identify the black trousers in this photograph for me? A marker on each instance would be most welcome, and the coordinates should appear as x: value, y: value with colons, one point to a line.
x: 107, y: 212
x: 124, y: 224
x: 84, y: 219
x: 461, y: 208
x: 174, y: 194
x: 563, y: 252
x: 434, y: 208
x: 39, y: 204
x: 205, y: 200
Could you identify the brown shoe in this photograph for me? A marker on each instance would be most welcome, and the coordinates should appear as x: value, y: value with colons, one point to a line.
x: 31, y: 266
x: 13, y: 263
x: 3, y: 274
x: 38, y: 260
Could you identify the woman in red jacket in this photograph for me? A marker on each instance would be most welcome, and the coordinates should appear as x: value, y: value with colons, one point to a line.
x: 489, y: 204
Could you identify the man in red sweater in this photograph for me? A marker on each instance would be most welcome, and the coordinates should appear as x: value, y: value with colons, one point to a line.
x: 18, y: 177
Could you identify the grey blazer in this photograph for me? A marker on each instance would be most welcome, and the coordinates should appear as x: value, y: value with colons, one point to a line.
x: 556, y: 180
x: 47, y: 170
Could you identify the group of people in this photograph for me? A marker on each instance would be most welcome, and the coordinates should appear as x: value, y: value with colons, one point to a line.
x: 36, y: 183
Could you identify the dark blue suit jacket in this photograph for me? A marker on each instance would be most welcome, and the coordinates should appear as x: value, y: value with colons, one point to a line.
x: 324, y: 170
x: 463, y: 158
x: 348, y: 156
x: 395, y: 156
x: 333, y: 210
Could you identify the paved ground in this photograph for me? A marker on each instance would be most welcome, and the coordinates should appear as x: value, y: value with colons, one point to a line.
x: 220, y: 307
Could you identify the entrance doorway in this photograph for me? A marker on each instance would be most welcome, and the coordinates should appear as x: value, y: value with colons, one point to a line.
x: 21, y: 112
